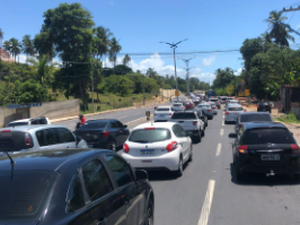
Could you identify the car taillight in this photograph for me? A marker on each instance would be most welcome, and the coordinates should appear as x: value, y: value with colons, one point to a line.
x: 244, y: 111
x: 28, y: 141
x: 295, y: 148
x: 240, y: 125
x: 257, y: 106
x: 105, y: 134
x: 243, y: 149
x: 126, y: 148
x: 170, y: 114
x: 172, y: 146
x: 226, y: 100
x: 5, y: 131
x: 227, y: 113
x: 195, y: 122
x: 218, y: 102
x: 209, y: 110
x: 154, y: 114
x: 181, y: 107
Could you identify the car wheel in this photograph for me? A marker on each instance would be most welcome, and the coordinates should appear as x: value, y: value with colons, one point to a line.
x: 113, y: 146
x: 191, y: 153
x: 206, y: 124
x: 150, y: 219
x: 238, y: 175
x: 179, y: 172
x: 203, y: 133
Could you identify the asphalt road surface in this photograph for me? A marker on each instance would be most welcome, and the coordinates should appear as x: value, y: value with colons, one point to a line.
x: 207, y: 193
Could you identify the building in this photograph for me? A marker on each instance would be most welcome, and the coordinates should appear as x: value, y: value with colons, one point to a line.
x: 5, y: 56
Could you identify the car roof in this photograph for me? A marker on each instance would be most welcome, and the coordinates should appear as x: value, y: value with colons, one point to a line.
x: 32, y: 127
x: 234, y: 105
x: 255, y: 125
x: 47, y: 160
x: 156, y: 125
x: 22, y: 120
x: 161, y: 107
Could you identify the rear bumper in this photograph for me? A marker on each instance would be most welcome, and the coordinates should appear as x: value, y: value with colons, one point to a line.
x: 230, y: 118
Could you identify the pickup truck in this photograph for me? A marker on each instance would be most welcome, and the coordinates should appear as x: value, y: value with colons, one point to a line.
x: 191, y: 123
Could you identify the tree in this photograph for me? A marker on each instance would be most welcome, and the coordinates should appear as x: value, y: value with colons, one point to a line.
x: 44, y: 45
x: 15, y: 47
x: 115, y: 48
x: 28, y: 47
x: 7, y: 46
x: 119, y: 84
x: 103, y: 35
x: 126, y: 59
x: 279, y: 30
x: 1, y: 37
x: 267, y: 37
x: 151, y: 73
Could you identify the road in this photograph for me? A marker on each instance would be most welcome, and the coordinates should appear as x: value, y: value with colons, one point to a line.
x: 207, y: 194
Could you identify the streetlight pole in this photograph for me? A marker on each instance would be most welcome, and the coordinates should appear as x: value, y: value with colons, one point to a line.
x: 174, y: 46
x: 187, y: 75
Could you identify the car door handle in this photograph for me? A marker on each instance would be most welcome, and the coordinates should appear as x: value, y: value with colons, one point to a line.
x: 101, y: 221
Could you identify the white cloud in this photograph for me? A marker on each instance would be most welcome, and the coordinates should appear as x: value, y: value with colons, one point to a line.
x: 239, y: 71
x: 22, y: 58
x: 208, y: 61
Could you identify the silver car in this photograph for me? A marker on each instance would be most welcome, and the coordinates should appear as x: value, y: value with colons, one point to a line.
x: 232, y: 112
x: 163, y: 114
x: 41, y: 137
x: 214, y: 108
x: 206, y: 109
x: 178, y: 107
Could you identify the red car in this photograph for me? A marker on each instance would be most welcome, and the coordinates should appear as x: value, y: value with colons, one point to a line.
x: 188, y: 105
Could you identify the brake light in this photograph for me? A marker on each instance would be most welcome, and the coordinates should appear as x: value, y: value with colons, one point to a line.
x: 218, y: 102
x: 170, y: 114
x: 240, y: 125
x: 295, y: 148
x: 209, y: 110
x: 149, y: 128
x: 227, y: 113
x: 105, y: 134
x: 226, y: 100
x: 257, y: 106
x: 154, y: 114
x: 28, y: 141
x: 195, y: 122
x: 126, y: 148
x: 5, y: 131
x: 243, y: 149
x: 172, y: 146
x: 181, y: 107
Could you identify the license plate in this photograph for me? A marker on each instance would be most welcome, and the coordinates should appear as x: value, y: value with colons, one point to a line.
x: 274, y: 157
x: 90, y: 146
x: 147, y: 152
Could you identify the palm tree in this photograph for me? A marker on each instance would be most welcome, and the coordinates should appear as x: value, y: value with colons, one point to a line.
x: 267, y: 37
x: 15, y: 47
x: 126, y: 59
x: 103, y: 34
x: 151, y: 73
x: 7, y: 46
x: 28, y: 47
x: 279, y: 30
x: 1, y: 37
x: 115, y: 48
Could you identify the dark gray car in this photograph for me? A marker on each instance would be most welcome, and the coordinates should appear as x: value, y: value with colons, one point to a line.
x: 206, y: 109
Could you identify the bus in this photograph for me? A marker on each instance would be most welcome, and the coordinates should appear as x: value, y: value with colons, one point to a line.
x: 211, y: 93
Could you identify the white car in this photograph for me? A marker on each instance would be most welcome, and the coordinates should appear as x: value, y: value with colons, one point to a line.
x: 178, y: 107
x: 29, y: 121
x: 163, y: 114
x: 158, y: 146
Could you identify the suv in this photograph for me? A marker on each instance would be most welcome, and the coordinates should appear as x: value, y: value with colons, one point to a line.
x: 27, y: 138
x: 29, y: 121
x: 264, y: 107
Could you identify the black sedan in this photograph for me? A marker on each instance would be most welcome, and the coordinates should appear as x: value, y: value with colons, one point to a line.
x: 61, y: 187
x: 105, y: 133
x: 264, y: 107
x: 265, y: 147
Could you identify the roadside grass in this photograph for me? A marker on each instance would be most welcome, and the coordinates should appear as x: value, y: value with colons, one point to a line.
x: 288, y: 118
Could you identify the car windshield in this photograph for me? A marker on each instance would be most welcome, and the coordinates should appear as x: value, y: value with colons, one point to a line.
x: 150, y: 135
x: 203, y: 106
x: 17, y: 124
x: 184, y: 116
x: 271, y: 135
x: 162, y: 109
x: 25, y: 194
x: 94, y: 124
x: 255, y: 117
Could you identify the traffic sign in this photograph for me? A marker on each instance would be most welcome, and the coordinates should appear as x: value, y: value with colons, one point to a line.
x: 176, y: 93
x: 247, y: 92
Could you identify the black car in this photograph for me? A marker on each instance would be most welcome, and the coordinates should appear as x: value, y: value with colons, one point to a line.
x: 105, y: 133
x: 267, y: 148
x: 70, y: 187
x: 264, y: 107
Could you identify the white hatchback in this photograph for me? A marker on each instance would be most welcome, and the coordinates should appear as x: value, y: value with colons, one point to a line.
x: 163, y: 114
x: 158, y: 146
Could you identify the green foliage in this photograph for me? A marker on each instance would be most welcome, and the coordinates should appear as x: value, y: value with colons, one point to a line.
x: 289, y: 118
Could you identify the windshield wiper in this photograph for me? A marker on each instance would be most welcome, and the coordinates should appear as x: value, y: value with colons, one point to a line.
x: 141, y: 141
x: 12, y: 162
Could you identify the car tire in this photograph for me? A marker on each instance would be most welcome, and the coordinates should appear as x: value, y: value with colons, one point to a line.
x: 191, y: 154
x: 206, y: 124
x: 150, y: 218
x: 113, y: 146
x: 238, y: 175
x: 179, y: 172
x: 203, y: 133
x: 225, y: 122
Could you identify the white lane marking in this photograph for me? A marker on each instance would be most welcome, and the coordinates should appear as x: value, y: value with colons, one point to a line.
x: 223, y: 116
x: 222, y: 132
x: 203, y: 220
x: 218, y: 152
x: 223, y: 123
x: 144, y: 117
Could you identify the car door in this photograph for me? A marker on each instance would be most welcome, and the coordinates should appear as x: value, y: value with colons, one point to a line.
x: 182, y: 139
x: 66, y: 138
x: 116, y: 133
x: 133, y: 196
x: 93, y: 198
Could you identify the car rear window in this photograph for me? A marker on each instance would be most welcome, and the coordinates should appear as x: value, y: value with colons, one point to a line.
x: 268, y: 135
x: 94, y: 124
x: 203, y: 106
x: 12, y: 140
x: 186, y: 103
x: 25, y: 194
x: 163, y: 109
x: 177, y: 104
x: 150, y: 135
x: 17, y: 124
x: 224, y: 99
x: 184, y: 116
x: 255, y: 117
x: 213, y: 100
x: 235, y: 109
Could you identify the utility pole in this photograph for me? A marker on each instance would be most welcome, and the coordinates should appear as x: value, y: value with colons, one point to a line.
x: 174, y: 46
x: 187, y: 74
x: 290, y: 9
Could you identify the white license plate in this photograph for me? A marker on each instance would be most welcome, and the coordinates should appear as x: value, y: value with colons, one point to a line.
x: 90, y: 146
x: 147, y: 152
x: 274, y: 157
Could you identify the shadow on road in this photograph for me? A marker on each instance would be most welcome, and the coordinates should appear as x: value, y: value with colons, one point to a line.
x: 252, y: 179
x: 161, y: 175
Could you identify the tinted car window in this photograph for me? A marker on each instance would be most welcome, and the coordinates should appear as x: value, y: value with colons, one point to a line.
x: 261, y: 136
x: 119, y: 124
x: 177, y: 104
x: 12, y: 141
x: 162, y: 109
x: 75, y: 194
x: 153, y: 135
x: 47, y: 137
x: 113, y: 124
x: 255, y: 117
x: 121, y: 170
x: 184, y: 116
x: 25, y: 195
x: 235, y: 109
x: 65, y: 135
x: 17, y: 124
x: 203, y: 106
x: 93, y: 124
x: 96, y: 180
x: 34, y: 122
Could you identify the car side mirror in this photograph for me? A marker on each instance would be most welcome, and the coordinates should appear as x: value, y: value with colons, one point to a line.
x: 125, y: 126
x: 232, y: 135
x: 141, y: 175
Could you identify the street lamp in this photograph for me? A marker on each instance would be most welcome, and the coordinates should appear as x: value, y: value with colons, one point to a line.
x: 174, y: 46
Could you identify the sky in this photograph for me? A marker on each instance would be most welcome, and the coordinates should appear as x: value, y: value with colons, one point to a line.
x: 140, y: 26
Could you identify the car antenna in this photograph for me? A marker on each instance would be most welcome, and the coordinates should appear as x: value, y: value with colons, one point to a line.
x: 12, y: 162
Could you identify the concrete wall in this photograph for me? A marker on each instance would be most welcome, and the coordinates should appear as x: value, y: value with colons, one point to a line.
x: 54, y: 110
x: 168, y: 93
x: 295, y: 108
x: 7, y: 115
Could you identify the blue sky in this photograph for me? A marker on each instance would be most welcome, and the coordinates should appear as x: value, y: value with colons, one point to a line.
x: 141, y: 24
